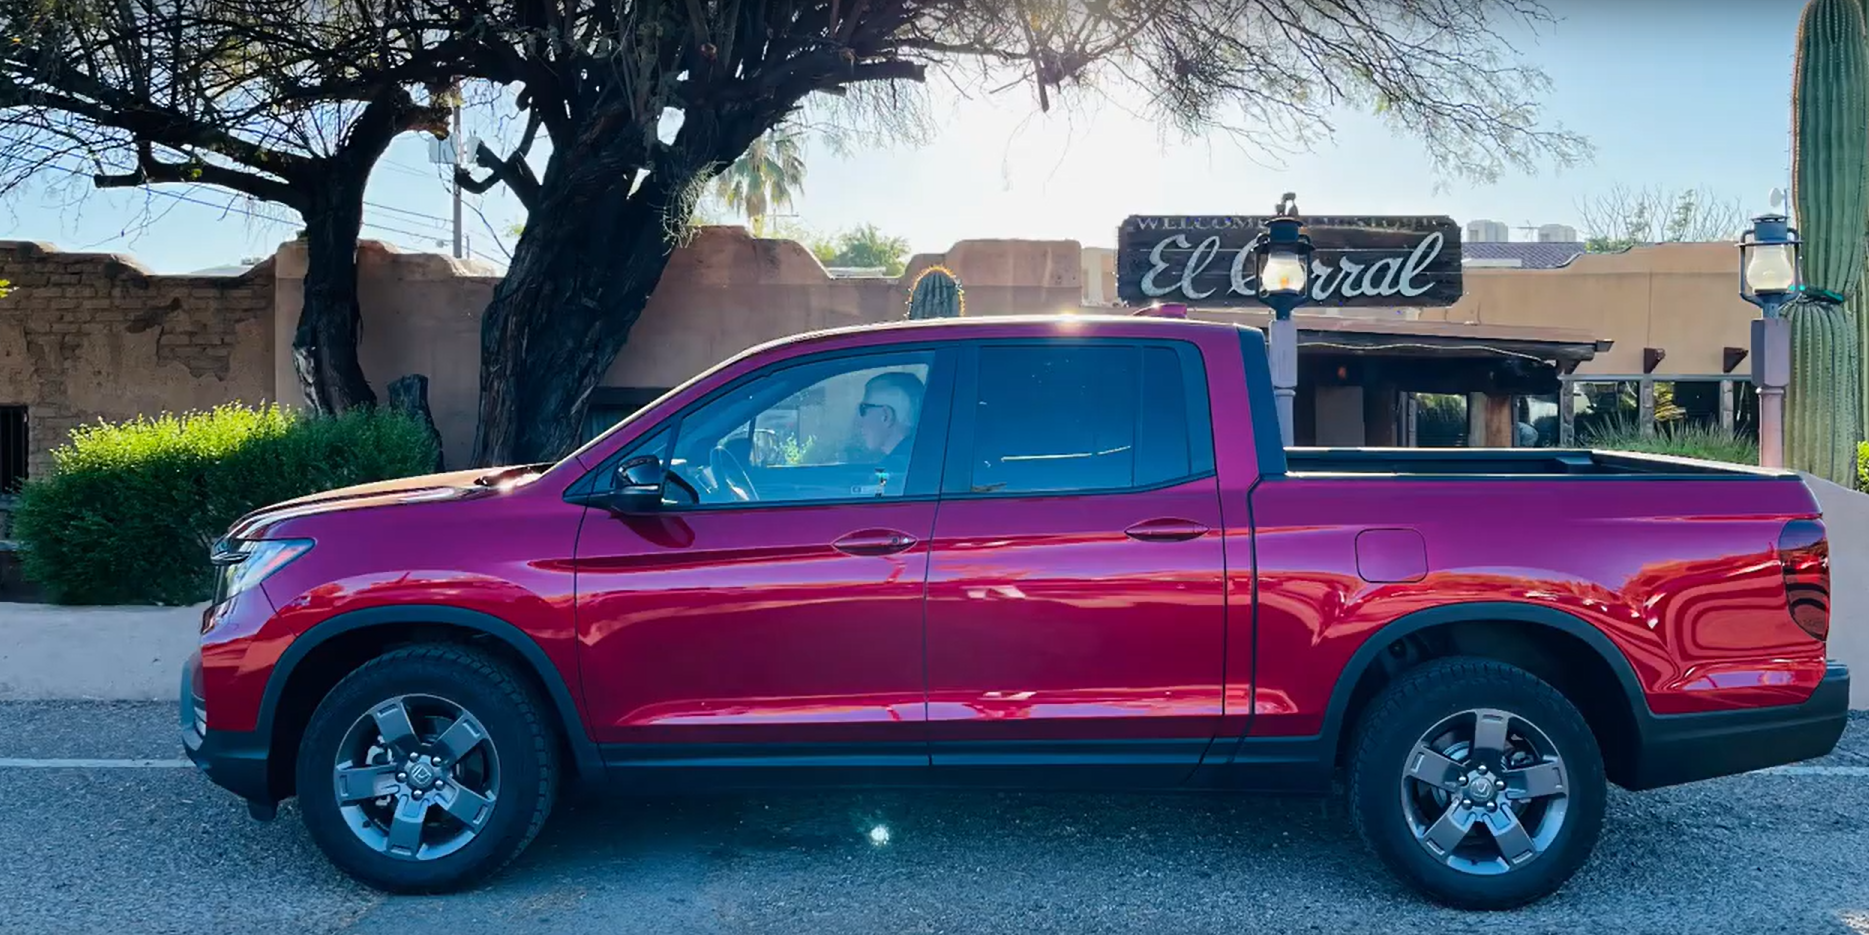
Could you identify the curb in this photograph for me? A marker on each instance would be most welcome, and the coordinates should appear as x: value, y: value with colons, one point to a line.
x: 50, y: 653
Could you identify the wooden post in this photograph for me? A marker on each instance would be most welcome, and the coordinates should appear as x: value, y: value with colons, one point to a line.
x: 1567, y: 414
x: 1499, y: 422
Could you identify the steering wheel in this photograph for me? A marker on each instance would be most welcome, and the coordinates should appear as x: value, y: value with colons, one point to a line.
x: 732, y: 474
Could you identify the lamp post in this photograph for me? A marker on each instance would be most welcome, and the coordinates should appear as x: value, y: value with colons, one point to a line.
x: 1282, y: 261
x: 1769, y: 278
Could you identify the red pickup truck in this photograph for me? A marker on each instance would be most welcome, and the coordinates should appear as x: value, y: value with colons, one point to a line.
x: 1044, y: 552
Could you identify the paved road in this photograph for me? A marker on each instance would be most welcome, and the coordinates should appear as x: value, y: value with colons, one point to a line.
x: 160, y: 850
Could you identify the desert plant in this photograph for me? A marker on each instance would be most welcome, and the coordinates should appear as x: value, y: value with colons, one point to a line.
x: 1681, y: 439
x: 937, y: 293
x: 130, y: 509
x: 1830, y: 190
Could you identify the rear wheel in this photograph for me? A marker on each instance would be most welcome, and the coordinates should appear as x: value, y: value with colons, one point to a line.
x: 427, y: 769
x: 1477, y: 783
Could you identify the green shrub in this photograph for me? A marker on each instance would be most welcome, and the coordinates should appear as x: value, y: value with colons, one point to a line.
x: 1862, y: 466
x: 130, y: 509
x: 1682, y: 440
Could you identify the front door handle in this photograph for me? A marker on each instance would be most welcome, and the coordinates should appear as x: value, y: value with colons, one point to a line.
x: 874, y: 542
x: 1166, y: 530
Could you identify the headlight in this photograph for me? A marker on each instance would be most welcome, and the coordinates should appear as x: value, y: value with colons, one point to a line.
x: 243, y: 565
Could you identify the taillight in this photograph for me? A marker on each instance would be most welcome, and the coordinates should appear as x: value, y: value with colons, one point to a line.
x: 1804, y: 554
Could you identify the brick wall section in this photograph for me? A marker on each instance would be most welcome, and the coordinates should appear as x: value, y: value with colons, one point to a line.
x: 88, y: 336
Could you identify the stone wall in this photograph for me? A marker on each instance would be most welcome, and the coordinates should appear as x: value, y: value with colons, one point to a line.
x: 87, y: 336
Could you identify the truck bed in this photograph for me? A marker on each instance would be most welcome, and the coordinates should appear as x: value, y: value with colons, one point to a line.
x: 1523, y: 462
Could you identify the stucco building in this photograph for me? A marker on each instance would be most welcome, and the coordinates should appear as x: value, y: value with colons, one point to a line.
x: 1658, y: 331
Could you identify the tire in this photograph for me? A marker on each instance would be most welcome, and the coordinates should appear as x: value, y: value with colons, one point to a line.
x: 1404, y: 819
x: 499, y: 769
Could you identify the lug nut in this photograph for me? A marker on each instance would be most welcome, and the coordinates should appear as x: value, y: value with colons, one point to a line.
x: 402, y: 777
x: 415, y: 758
x: 1463, y: 779
x: 1482, y: 767
x: 434, y: 761
x: 1492, y: 806
x: 1467, y: 802
x: 437, y: 785
x: 417, y: 793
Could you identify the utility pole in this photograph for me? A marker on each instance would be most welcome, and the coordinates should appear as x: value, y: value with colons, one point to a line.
x: 460, y: 158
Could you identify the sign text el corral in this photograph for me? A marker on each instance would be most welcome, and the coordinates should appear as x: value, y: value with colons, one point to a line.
x: 1207, y: 260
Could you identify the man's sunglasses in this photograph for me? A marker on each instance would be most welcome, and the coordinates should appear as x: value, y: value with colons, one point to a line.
x: 864, y: 409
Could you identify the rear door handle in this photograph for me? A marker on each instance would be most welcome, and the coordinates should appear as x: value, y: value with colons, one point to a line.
x: 874, y: 542
x: 1166, y: 530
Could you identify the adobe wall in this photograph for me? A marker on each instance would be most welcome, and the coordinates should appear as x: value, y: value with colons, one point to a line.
x: 87, y: 336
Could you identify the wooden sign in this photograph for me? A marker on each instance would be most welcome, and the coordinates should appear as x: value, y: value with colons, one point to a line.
x: 1207, y: 260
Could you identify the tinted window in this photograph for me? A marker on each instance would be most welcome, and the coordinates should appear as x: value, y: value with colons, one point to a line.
x: 1162, y: 452
x: 1079, y: 417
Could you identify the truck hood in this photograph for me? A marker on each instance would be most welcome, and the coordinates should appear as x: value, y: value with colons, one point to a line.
x: 425, y: 488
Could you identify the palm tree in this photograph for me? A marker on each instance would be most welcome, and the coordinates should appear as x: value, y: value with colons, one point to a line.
x: 763, y: 179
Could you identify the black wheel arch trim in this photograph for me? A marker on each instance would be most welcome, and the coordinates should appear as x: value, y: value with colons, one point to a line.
x: 1478, y: 612
x: 584, y: 752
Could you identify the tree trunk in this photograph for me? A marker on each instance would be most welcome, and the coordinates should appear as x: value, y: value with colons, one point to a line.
x: 579, y: 280
x: 408, y: 395
x: 324, y: 347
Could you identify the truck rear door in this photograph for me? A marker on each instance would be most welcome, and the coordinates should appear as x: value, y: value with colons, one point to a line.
x: 1076, y: 608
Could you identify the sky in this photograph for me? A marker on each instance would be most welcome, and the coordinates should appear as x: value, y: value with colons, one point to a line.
x: 1671, y: 93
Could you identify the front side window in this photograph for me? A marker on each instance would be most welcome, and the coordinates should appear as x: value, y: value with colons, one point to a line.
x: 833, y: 429
x: 1063, y: 418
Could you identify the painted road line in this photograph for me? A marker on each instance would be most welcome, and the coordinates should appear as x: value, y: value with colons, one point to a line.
x: 29, y: 763
x: 1855, y: 771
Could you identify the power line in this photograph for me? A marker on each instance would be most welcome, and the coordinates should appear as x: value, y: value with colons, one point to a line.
x: 437, y: 221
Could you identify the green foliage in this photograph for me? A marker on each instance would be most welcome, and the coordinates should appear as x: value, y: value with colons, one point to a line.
x: 1440, y: 420
x: 1830, y: 192
x: 1682, y: 440
x: 1862, y: 466
x: 794, y: 452
x: 130, y: 509
x: 937, y: 293
x: 764, y: 178
x: 864, y: 247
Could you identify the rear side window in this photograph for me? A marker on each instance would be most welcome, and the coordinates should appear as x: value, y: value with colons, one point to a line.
x: 1080, y: 417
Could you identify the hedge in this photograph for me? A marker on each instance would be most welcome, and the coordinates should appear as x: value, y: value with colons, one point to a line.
x: 130, y: 509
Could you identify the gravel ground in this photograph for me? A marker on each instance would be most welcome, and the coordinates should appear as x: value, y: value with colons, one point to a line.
x: 161, y: 850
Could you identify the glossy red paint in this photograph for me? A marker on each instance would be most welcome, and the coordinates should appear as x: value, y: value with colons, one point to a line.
x: 1695, y: 602
x: 1191, y: 612
x: 747, y: 625
x: 1047, y: 620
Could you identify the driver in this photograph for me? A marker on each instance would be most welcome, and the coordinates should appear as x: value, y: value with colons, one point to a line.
x: 886, y: 418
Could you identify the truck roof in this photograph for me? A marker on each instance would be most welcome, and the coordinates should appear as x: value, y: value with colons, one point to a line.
x: 1018, y: 325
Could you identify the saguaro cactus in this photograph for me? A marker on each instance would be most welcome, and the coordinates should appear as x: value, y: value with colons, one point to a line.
x: 1830, y: 190
x: 937, y: 293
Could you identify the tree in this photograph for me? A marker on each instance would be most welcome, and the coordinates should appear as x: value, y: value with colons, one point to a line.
x: 763, y: 179
x: 645, y: 102
x: 864, y: 247
x: 280, y: 101
x: 1623, y: 217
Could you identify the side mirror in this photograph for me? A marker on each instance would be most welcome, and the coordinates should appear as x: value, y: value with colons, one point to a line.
x: 639, y: 484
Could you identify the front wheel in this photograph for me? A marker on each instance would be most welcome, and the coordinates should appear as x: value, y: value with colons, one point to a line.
x: 427, y: 769
x: 1477, y: 783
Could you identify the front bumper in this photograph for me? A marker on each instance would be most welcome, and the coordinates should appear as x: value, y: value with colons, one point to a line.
x: 1678, y: 748
x: 234, y: 760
